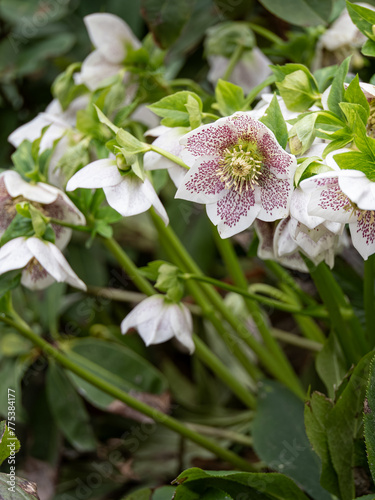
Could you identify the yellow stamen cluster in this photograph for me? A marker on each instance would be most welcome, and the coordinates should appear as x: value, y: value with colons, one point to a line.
x: 239, y: 168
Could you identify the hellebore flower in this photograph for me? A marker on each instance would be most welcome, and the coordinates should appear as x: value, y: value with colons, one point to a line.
x: 345, y: 196
x: 239, y: 170
x: 49, y: 200
x: 125, y: 191
x: 158, y: 320
x: 43, y: 262
x: 111, y: 37
x: 166, y: 138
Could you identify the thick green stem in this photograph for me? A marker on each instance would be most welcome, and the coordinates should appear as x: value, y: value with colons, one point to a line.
x: 202, y: 351
x: 235, y: 58
x: 369, y: 298
x: 230, y: 258
x: 137, y: 405
x: 189, y: 266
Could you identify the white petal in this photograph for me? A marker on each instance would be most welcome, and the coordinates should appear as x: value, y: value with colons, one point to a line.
x: 53, y: 261
x: 14, y: 255
x: 95, y: 69
x: 182, y: 325
x: 358, y: 188
x: 149, y: 191
x: 16, y: 186
x: 169, y: 140
x: 298, y: 209
x: 35, y: 277
x: 284, y: 243
x: 29, y: 131
x: 177, y: 174
x: 275, y: 195
x: 100, y: 173
x: 362, y: 232
x: 109, y: 34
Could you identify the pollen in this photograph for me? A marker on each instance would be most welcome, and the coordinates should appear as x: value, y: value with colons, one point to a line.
x: 240, y: 168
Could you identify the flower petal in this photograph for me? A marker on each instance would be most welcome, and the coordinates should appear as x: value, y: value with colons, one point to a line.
x: 234, y: 212
x: 16, y: 186
x: 7, y: 208
x: 148, y: 311
x: 35, y: 277
x: 358, y: 188
x: 201, y: 183
x: 14, y: 255
x: 182, y: 325
x: 95, y: 69
x: 168, y: 140
x: 362, y: 232
x: 298, y: 209
x: 98, y: 174
x: 275, y: 196
x: 109, y: 34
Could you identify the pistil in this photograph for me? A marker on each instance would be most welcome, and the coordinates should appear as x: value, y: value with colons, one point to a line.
x: 239, y: 168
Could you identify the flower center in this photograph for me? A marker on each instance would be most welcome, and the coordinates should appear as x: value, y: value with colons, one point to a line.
x: 240, y: 167
x: 353, y: 207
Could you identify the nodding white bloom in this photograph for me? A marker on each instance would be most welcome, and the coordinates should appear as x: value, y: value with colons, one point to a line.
x: 125, y: 192
x: 345, y: 196
x: 157, y: 320
x: 252, y: 69
x: 111, y: 37
x: 239, y: 170
x: 49, y: 200
x: 166, y: 138
x: 42, y: 261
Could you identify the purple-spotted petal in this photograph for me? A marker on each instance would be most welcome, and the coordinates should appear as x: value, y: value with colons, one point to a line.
x: 201, y: 183
x: 362, y: 232
x: 358, y: 188
x: 234, y: 212
x: 275, y: 196
x: 298, y: 209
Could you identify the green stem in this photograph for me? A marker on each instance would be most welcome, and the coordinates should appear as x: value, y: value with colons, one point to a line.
x: 230, y: 258
x: 202, y: 351
x: 210, y: 115
x: 255, y: 91
x: 265, y: 33
x: 235, y: 57
x: 267, y: 359
x: 369, y: 298
x: 168, y: 155
x: 318, y: 312
x: 223, y: 373
x: 117, y: 393
x: 186, y: 82
x: 291, y: 339
x: 85, y: 229
x: 229, y: 435
x: 346, y: 326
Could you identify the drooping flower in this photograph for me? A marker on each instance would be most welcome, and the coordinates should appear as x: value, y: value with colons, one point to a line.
x: 166, y: 138
x: 158, y: 320
x: 42, y: 261
x: 125, y: 191
x: 111, y: 37
x: 49, y: 200
x: 252, y: 69
x: 345, y: 196
x: 239, y: 170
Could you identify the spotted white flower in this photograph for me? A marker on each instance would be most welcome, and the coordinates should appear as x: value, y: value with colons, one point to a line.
x: 158, y: 320
x: 111, y: 37
x: 252, y: 69
x: 49, y: 200
x: 125, y: 192
x: 41, y: 261
x: 166, y: 138
x: 345, y: 196
x: 239, y: 170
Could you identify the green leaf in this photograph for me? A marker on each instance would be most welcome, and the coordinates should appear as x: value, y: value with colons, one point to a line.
x: 22, y: 489
x: 116, y: 364
x: 68, y: 410
x: 324, y: 76
x: 65, y: 89
x: 143, y: 494
x: 331, y: 365
x: 169, y: 281
x: 368, y: 50
x: 369, y: 419
x: 358, y: 161
x: 9, y: 444
x: 355, y: 95
x: 164, y: 493
x: 9, y: 281
x: 106, y: 121
x: 195, y: 115
x: 224, y: 38
x: 342, y: 425
x: 166, y: 19
x: 13, y: 344
x: 300, y: 12
x: 229, y: 97
x: 363, y: 18
x: 336, y: 94
x: 302, y: 134
x: 236, y: 485
x: 274, y: 120
x: 129, y: 143
x: 280, y: 438
x: 23, y: 159
x: 316, y: 412
x: 297, y: 91
x: 173, y: 109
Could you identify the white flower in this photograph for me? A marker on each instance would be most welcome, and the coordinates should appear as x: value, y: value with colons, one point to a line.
x: 111, y: 37
x: 166, y: 138
x: 345, y: 196
x: 158, y: 320
x: 43, y: 262
x: 239, y: 170
x: 125, y: 192
x: 49, y: 200
x: 252, y: 69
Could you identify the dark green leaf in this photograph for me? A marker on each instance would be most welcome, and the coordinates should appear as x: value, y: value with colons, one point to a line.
x: 68, y: 410
x: 300, y: 12
x: 274, y: 120
x: 9, y: 444
x: 280, y: 438
x: 330, y: 365
x: 143, y: 494
x: 363, y: 18
x: 9, y: 281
